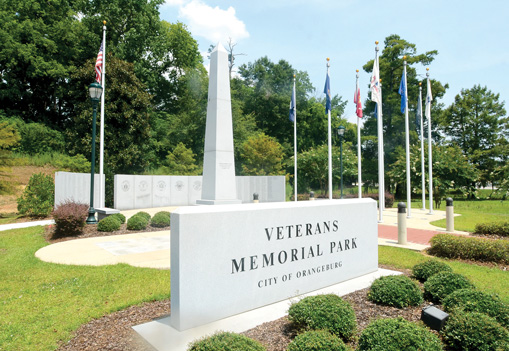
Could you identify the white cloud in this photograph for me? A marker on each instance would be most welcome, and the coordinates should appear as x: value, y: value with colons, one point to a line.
x: 212, y: 23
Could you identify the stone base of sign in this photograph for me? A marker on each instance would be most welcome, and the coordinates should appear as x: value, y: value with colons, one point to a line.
x: 218, y: 202
x: 252, y: 255
x: 105, y: 212
x: 163, y: 337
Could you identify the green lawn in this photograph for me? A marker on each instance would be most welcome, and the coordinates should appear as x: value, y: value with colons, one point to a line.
x: 492, y: 280
x: 473, y: 212
x: 43, y: 303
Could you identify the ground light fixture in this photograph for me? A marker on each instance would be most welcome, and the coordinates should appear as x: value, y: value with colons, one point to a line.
x: 95, y: 90
x: 341, y: 133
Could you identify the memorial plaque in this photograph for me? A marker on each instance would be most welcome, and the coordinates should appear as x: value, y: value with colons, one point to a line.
x: 161, y: 191
x: 179, y: 190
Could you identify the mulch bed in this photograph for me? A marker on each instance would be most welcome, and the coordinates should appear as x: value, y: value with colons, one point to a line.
x: 114, y: 331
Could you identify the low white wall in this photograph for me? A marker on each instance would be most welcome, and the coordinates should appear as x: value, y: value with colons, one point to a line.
x: 146, y: 191
x: 76, y: 187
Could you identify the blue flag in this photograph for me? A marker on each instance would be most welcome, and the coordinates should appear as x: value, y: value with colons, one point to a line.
x: 402, y: 92
x: 292, y: 105
x: 376, y: 111
x: 328, y: 96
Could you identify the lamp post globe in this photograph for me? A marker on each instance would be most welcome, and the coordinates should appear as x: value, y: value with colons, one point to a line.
x: 341, y: 133
x: 95, y: 91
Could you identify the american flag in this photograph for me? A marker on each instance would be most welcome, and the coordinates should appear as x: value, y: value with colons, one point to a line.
x: 99, y: 65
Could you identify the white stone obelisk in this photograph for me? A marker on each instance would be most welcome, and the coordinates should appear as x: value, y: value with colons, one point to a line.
x: 219, y: 185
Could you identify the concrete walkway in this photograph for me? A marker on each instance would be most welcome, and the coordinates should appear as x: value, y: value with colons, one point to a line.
x: 152, y: 249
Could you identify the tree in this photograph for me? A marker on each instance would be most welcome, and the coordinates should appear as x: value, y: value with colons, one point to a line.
x: 477, y: 122
x: 181, y: 161
x: 42, y: 41
x: 451, y: 170
x: 127, y: 126
x: 262, y: 155
x: 391, y: 70
x: 313, y: 166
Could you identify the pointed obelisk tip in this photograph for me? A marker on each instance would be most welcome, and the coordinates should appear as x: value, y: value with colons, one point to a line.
x: 219, y: 47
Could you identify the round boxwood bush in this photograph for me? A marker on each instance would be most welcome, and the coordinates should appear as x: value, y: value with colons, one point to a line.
x: 317, y: 340
x: 395, y: 290
x: 395, y: 334
x: 226, y: 341
x: 119, y: 216
x: 470, y: 300
x: 474, y: 331
x: 439, y: 285
x: 144, y: 215
x: 327, y: 312
x: 161, y: 219
x: 109, y: 224
x: 422, y: 271
x: 137, y: 222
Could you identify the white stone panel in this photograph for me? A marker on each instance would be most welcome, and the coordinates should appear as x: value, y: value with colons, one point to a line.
x: 195, y: 187
x: 142, y: 191
x: 124, y: 192
x: 233, y: 258
x: 76, y: 187
x: 179, y: 190
x: 161, y: 191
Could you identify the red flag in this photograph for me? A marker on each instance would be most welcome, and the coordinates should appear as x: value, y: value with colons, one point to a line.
x: 357, y: 102
x: 99, y: 65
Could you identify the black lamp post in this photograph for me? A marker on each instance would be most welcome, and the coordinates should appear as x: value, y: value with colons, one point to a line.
x: 95, y: 90
x: 341, y: 133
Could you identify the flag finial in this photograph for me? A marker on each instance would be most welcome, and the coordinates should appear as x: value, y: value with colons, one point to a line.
x: 376, y: 42
x: 328, y: 59
x: 427, y: 68
x: 104, y: 22
x: 294, y: 76
x: 380, y: 80
x: 357, y: 70
x: 404, y: 57
x: 420, y: 83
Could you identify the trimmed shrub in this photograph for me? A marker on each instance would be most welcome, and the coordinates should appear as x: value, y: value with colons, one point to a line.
x: 317, y: 340
x: 395, y: 290
x: 328, y: 312
x: 493, y: 228
x: 144, y: 215
x: 118, y: 216
x: 395, y: 334
x: 226, y: 341
x: 478, y: 249
x: 477, y: 301
x: 109, y: 224
x: 38, y: 197
x: 422, y: 271
x: 69, y: 219
x: 161, y: 219
x: 438, y: 286
x: 474, y: 331
x: 137, y: 222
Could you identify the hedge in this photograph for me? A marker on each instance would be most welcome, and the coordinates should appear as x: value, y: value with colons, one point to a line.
x: 477, y: 249
x: 493, y: 228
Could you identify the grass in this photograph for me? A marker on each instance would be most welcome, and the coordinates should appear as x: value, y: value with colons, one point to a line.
x: 43, y: 303
x: 487, y: 279
x: 473, y: 212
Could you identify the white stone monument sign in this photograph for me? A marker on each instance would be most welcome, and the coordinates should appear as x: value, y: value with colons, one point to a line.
x: 219, y: 186
x: 230, y: 259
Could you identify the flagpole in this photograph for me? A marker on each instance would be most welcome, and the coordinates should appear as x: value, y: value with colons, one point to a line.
x: 430, y: 156
x: 295, y: 140
x: 381, y: 187
x: 382, y: 158
x: 101, y: 139
x: 330, y: 140
x: 359, y: 180
x: 407, y: 144
x: 423, y: 177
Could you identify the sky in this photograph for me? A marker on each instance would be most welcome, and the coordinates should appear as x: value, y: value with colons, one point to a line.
x: 471, y: 37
